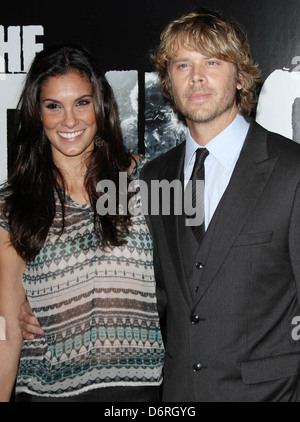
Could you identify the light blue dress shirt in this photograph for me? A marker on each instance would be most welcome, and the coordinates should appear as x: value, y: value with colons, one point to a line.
x: 224, y: 151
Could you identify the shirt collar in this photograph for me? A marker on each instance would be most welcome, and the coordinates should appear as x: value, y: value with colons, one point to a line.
x: 224, y: 147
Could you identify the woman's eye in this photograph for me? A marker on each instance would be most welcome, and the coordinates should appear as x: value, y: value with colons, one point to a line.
x: 52, y: 106
x: 83, y: 103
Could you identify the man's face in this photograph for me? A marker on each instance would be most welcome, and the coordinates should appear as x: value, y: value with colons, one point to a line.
x: 204, y: 88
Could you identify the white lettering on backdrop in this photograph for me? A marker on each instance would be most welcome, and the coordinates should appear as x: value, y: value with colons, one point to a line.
x: 18, y: 47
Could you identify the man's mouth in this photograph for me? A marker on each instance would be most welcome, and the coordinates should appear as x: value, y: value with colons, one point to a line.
x: 199, y: 96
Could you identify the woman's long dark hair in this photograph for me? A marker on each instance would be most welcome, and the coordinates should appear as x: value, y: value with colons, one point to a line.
x: 30, y: 204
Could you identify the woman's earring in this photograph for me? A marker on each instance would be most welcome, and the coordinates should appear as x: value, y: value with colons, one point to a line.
x: 98, y: 141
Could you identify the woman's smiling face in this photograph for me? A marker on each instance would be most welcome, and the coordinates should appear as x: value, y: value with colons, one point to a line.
x: 68, y: 115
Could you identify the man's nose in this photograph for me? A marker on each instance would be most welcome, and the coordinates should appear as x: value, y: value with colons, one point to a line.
x: 198, y: 75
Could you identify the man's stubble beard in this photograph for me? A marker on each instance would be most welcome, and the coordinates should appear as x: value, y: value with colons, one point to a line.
x: 206, y: 113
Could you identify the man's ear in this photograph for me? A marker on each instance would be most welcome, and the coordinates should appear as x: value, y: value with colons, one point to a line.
x: 240, y: 83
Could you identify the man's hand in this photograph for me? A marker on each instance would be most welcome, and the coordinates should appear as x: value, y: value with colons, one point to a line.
x: 28, y: 323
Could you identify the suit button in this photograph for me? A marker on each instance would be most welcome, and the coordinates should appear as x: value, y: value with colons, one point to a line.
x: 199, y: 266
x: 197, y: 367
x: 196, y: 319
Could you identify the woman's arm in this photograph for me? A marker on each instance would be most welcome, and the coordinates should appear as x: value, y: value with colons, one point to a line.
x: 12, y: 296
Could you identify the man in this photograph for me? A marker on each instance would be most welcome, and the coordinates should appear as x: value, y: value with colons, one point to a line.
x: 233, y: 292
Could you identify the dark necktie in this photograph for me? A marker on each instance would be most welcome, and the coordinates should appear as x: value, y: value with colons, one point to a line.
x: 199, y: 174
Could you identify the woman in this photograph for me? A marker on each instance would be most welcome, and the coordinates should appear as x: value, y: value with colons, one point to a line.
x: 88, y: 278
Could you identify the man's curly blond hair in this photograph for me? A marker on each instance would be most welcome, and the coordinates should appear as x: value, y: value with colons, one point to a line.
x: 215, y: 37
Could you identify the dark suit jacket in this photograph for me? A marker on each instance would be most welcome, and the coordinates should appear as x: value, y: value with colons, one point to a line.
x: 232, y: 340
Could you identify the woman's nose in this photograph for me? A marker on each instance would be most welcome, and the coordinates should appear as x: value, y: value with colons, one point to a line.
x: 70, y: 119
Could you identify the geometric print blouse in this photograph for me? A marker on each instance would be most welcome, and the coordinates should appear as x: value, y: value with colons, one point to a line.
x: 97, y: 308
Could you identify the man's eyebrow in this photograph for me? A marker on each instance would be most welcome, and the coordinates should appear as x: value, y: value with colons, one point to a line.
x: 186, y: 59
x: 179, y: 59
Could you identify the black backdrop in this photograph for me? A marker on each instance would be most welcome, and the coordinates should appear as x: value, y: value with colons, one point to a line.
x: 121, y: 33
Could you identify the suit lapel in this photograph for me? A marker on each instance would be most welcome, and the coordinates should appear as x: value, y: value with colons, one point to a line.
x: 173, y: 170
x: 248, y: 182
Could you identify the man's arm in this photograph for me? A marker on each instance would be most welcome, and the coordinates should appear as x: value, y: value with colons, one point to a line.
x: 28, y: 323
x: 12, y: 295
x: 149, y: 173
x: 294, y: 240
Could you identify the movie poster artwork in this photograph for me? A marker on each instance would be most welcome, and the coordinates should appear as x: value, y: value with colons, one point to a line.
x: 126, y: 91
x: 279, y: 101
x: 163, y: 128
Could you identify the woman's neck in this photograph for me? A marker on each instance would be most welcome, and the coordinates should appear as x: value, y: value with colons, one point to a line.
x: 74, y: 175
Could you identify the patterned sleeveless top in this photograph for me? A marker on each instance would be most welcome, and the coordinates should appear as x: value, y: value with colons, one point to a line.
x: 97, y: 308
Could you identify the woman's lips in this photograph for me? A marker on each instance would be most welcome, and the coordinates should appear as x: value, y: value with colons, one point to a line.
x: 70, y: 135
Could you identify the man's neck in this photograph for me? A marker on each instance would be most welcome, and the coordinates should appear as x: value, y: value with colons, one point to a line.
x: 203, y: 133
